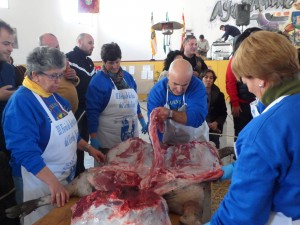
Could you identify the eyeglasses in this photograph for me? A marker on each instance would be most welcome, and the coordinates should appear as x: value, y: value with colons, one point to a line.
x: 54, y: 76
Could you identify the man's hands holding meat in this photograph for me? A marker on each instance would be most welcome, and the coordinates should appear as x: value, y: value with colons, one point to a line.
x: 163, y: 114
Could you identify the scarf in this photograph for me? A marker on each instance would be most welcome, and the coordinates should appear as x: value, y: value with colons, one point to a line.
x: 288, y: 87
x: 117, y: 78
x: 35, y: 87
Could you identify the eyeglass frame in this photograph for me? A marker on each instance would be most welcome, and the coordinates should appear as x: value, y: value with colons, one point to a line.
x: 55, y: 76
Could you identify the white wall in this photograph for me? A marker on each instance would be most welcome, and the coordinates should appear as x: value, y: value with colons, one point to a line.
x: 126, y: 22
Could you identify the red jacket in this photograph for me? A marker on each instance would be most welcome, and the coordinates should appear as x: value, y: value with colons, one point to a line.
x: 232, y: 88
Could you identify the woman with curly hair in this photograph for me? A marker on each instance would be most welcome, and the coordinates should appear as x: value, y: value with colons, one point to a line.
x: 172, y: 55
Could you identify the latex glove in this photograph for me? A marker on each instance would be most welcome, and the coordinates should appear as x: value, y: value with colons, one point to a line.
x: 144, y: 125
x: 207, y: 223
x: 95, y: 143
x: 228, y: 169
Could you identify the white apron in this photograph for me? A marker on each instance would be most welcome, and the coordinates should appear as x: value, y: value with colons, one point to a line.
x: 60, y: 158
x: 177, y: 133
x: 276, y: 218
x: 118, y: 121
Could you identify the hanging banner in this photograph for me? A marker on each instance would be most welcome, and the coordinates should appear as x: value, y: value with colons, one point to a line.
x: 88, y: 6
x: 153, y: 38
x: 183, y: 29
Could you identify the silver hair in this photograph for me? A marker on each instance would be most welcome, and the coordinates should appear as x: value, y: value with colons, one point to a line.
x: 43, y: 58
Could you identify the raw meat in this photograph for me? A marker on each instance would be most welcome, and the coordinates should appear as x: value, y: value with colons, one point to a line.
x: 128, y: 206
x: 136, y: 169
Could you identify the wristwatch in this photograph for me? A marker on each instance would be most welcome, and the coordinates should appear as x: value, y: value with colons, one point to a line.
x: 87, y: 148
x: 170, y: 114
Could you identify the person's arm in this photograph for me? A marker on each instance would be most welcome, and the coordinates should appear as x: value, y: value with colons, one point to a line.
x: 157, y: 98
x: 164, y: 114
x: 7, y: 81
x: 97, y: 98
x: 231, y: 88
x: 196, y: 99
x: 22, y: 119
x: 226, y: 34
x: 250, y: 195
x: 70, y: 75
x: 6, y: 92
x: 59, y: 194
x: 84, y: 146
x: 27, y: 132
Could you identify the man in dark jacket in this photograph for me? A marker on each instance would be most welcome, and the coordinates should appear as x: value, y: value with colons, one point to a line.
x: 84, y: 67
x: 189, y: 54
x: 229, y: 31
x: 7, y: 86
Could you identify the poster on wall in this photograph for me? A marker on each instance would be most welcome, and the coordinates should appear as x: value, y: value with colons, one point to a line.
x: 88, y: 6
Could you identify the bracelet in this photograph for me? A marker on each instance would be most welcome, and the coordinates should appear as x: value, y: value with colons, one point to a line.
x: 170, y: 114
x: 87, y: 148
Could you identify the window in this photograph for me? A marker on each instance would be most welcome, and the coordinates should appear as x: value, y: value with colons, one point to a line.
x: 4, y: 4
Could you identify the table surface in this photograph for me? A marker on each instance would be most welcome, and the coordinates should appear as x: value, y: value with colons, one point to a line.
x: 62, y: 215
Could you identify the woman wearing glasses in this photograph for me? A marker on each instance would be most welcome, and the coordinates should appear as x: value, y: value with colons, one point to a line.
x: 41, y: 132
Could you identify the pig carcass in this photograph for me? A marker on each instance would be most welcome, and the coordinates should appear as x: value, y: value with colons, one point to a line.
x: 151, y: 169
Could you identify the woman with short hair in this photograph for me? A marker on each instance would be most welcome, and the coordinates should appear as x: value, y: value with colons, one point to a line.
x: 41, y: 132
x: 265, y: 184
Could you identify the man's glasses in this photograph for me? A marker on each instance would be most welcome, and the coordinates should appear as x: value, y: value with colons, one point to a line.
x: 54, y: 76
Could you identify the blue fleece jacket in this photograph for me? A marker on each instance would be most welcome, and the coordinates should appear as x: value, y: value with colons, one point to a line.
x: 26, y: 128
x: 195, y: 98
x: 266, y: 174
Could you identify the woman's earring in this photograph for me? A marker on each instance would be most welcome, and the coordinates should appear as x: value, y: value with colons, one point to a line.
x: 260, y: 85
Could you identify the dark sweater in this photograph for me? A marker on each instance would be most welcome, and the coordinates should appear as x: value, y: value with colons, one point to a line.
x: 230, y: 31
x: 7, y: 77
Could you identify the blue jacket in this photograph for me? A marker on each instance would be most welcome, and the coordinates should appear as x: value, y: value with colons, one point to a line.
x: 266, y: 174
x: 195, y: 98
x: 98, y: 95
x: 27, y: 129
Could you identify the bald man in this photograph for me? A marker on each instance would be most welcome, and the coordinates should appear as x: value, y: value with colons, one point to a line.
x: 182, y: 103
x: 80, y: 61
x: 67, y: 86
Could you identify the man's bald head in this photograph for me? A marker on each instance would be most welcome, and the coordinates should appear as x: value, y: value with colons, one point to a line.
x: 49, y: 40
x: 181, y: 68
x: 85, y: 42
x: 179, y: 75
